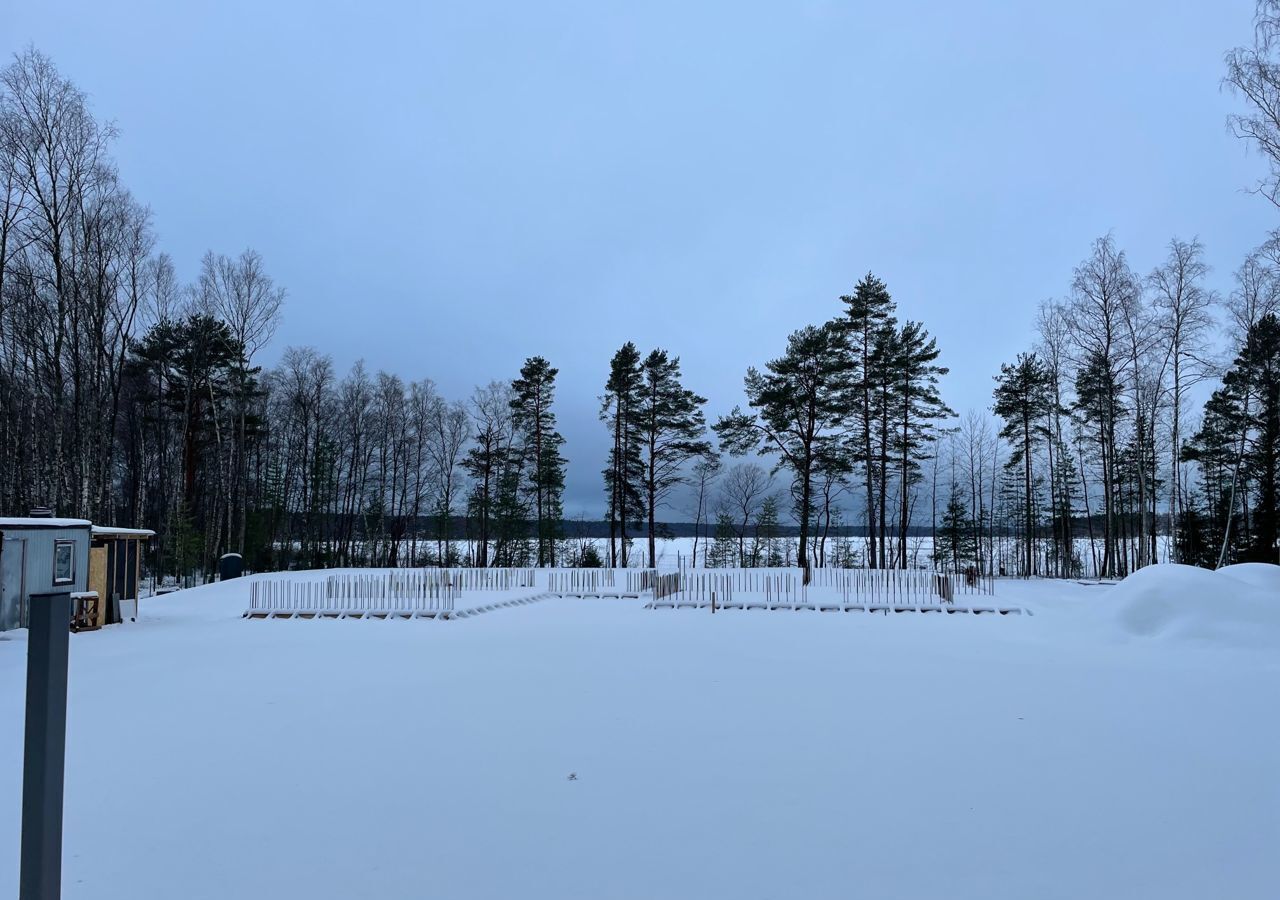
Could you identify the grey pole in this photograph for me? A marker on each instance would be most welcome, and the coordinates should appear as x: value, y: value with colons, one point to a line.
x: 44, y: 759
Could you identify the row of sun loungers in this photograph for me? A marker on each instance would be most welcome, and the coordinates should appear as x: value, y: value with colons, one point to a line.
x: 883, y: 608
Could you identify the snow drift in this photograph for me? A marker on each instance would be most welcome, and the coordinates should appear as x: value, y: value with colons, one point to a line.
x: 1259, y: 575
x: 1236, y: 606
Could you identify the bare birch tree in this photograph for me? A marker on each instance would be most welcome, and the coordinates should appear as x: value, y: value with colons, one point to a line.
x: 1184, y: 307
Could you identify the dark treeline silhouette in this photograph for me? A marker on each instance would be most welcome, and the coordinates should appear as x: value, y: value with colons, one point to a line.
x: 130, y: 398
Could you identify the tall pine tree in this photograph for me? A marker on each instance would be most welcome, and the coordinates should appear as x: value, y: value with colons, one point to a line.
x: 918, y: 407
x: 798, y: 411
x: 1023, y: 399
x: 672, y: 431
x: 869, y: 326
x: 621, y: 411
x: 1099, y: 407
x: 534, y: 393
x: 1256, y: 375
x: 1205, y: 532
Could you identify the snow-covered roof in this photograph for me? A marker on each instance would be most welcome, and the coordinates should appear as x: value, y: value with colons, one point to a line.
x: 110, y: 531
x: 103, y: 530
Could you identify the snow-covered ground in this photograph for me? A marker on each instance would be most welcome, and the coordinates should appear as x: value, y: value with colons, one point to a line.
x: 1110, y: 745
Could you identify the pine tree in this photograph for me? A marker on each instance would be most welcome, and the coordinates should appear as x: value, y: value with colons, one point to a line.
x: 624, y: 476
x: 1099, y: 407
x: 1256, y: 376
x: 956, y: 546
x: 1064, y: 491
x: 881, y: 367
x: 724, y: 546
x: 1215, y: 449
x: 192, y: 368
x: 798, y: 411
x: 589, y: 558
x: 767, y: 550
x: 511, y: 512
x: 672, y: 430
x: 1023, y: 398
x: 869, y: 325
x: 918, y: 407
x: 534, y: 393
x: 1195, y: 543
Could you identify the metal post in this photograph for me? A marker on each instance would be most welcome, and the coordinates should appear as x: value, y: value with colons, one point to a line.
x: 43, y: 764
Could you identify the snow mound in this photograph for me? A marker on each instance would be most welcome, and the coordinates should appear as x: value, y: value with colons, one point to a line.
x: 1187, y: 602
x: 1260, y: 575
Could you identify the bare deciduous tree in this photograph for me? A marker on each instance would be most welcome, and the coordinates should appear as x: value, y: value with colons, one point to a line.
x: 705, y: 472
x: 742, y: 492
x: 1184, y: 309
x: 1105, y: 294
x: 1254, y: 74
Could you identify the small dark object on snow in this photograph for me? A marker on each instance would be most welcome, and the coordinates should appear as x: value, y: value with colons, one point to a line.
x: 573, y: 776
x: 230, y: 565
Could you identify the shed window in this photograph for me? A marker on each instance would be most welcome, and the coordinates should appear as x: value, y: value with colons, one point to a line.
x: 64, y: 562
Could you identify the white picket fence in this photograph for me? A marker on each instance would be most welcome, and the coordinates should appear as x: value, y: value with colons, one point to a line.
x: 874, y: 590
x: 491, y: 579
x: 433, y: 592
x: 891, y: 583
x: 400, y: 592
x: 581, y: 581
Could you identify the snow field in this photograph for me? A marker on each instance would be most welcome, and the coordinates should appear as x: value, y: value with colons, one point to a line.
x: 751, y: 755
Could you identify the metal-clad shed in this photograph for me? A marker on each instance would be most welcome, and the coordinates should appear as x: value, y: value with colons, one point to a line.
x: 38, y: 556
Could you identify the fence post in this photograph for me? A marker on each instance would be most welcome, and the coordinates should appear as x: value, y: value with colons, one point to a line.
x: 44, y: 756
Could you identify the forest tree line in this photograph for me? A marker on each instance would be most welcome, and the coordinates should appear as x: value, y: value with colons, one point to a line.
x: 1143, y: 425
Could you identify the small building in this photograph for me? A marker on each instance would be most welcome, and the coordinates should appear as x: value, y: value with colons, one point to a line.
x: 42, y: 555
x: 39, y: 556
x: 115, y: 570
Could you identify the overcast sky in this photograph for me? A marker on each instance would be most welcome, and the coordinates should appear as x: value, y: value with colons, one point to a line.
x: 446, y: 189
